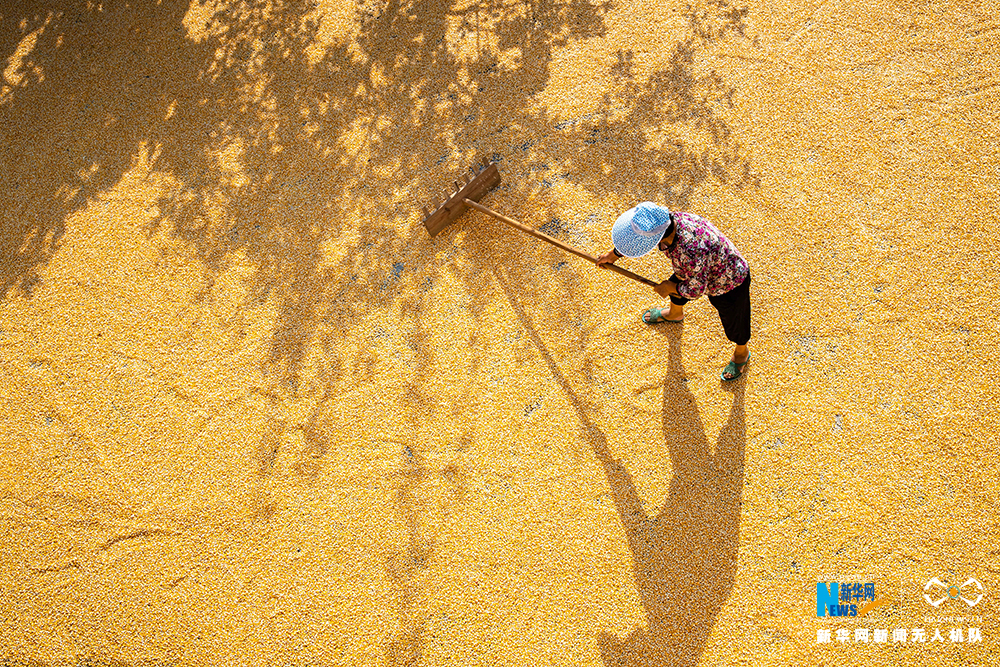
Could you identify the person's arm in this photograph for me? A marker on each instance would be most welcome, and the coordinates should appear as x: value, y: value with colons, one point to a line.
x: 610, y: 257
x: 667, y: 288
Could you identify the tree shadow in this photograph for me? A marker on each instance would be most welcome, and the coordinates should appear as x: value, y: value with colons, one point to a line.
x: 685, y: 557
x: 270, y: 136
x: 84, y: 87
x: 277, y: 139
x: 675, y: 115
x: 404, y: 567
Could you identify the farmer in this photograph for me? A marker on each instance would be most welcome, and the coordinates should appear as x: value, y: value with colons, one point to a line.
x: 704, y: 262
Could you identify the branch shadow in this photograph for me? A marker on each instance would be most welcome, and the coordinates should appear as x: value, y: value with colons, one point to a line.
x: 684, y: 558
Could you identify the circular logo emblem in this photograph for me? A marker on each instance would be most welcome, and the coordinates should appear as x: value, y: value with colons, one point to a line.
x: 971, y: 592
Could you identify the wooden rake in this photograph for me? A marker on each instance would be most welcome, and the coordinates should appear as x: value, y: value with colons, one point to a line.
x: 469, y: 189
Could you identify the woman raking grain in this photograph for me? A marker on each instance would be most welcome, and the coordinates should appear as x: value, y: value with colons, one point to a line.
x: 704, y: 262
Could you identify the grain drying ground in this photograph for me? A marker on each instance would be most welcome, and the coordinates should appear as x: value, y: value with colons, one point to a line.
x: 253, y: 415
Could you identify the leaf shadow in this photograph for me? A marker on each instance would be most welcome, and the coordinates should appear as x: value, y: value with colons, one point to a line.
x: 84, y: 86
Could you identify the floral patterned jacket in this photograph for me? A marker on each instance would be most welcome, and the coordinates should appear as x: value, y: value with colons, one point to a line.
x: 704, y: 261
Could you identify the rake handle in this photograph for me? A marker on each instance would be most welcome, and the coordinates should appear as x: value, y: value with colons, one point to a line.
x: 557, y: 243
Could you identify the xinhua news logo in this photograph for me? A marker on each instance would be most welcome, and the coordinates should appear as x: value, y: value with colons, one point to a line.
x: 955, y: 595
x: 845, y: 599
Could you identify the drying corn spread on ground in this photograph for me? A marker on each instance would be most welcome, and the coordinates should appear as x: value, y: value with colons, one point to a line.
x: 252, y: 414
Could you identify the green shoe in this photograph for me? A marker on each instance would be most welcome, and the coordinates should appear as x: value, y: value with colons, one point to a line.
x: 656, y: 316
x: 735, y: 369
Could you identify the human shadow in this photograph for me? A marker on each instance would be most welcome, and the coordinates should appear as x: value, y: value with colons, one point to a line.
x: 684, y: 557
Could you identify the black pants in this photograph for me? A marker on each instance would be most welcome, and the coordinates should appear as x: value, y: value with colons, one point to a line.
x: 734, y: 310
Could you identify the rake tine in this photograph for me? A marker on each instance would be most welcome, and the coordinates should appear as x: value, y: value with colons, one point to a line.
x: 427, y: 213
x: 469, y: 186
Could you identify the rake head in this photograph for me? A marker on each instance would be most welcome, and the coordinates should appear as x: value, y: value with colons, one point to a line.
x: 474, y: 186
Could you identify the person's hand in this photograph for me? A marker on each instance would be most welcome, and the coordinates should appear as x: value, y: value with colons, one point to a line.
x: 666, y: 288
x: 607, y: 258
